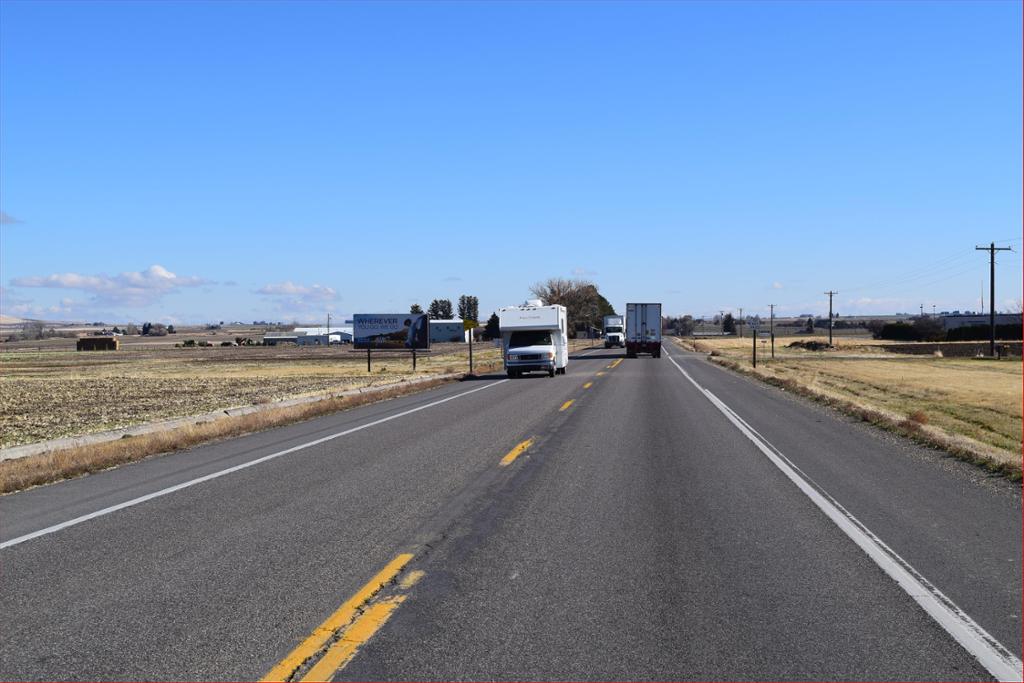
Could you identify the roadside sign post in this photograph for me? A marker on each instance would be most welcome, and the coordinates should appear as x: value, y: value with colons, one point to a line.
x: 367, y: 359
x: 754, y: 338
x: 468, y: 326
x: 414, y: 360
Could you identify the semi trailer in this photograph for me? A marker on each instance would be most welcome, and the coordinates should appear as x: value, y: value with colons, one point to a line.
x: 643, y: 330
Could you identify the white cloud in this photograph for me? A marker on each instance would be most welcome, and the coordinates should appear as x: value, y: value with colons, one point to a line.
x: 132, y: 288
x: 580, y: 271
x: 295, y: 301
x: 310, y: 293
x: 776, y: 285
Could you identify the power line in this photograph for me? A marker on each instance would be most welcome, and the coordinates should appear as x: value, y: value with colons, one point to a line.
x: 925, y: 271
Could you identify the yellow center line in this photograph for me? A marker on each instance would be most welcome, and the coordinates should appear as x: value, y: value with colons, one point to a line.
x: 342, y: 616
x: 342, y: 651
x: 614, y: 363
x: 601, y: 372
x: 588, y: 385
x: 566, y: 405
x: 515, y: 452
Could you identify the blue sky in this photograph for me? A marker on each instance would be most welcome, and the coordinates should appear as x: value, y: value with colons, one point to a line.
x: 205, y: 161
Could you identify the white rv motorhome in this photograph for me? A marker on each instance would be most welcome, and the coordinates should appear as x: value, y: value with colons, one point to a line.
x: 534, y: 338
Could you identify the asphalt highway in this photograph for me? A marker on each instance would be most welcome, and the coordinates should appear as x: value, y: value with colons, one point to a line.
x: 633, y: 519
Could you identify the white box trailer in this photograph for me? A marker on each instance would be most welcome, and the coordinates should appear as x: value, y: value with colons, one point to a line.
x: 614, y: 331
x: 643, y: 329
x: 534, y: 338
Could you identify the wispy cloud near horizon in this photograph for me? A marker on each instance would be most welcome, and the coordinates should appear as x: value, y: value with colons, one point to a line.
x: 132, y: 289
x: 296, y: 300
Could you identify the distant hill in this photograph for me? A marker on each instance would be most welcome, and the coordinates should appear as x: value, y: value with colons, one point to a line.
x: 11, y: 320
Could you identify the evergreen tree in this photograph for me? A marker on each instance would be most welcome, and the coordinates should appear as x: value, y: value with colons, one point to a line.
x: 440, y: 309
x: 492, y: 330
x: 415, y: 309
x: 469, y: 307
x: 728, y: 324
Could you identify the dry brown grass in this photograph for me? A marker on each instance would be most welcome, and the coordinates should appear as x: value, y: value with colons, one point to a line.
x: 969, y: 407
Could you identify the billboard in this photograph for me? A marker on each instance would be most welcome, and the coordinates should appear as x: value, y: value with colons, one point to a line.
x: 390, y: 331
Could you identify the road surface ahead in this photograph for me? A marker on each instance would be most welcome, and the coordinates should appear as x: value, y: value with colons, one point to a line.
x: 633, y: 519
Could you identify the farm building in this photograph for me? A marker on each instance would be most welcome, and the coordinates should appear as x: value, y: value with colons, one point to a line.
x: 98, y: 344
x: 310, y: 336
x: 953, y: 321
x: 275, y: 338
x: 447, y: 331
x: 339, y: 335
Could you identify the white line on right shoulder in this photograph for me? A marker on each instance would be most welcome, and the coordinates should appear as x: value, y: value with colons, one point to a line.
x: 992, y: 655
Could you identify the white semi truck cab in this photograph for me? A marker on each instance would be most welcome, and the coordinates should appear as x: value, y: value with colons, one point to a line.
x: 534, y: 338
x: 614, y: 331
x: 643, y: 330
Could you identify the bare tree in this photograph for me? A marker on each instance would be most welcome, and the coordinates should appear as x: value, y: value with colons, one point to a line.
x: 32, y: 330
x: 584, y: 304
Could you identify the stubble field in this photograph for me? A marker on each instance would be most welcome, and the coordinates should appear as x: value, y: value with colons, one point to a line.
x: 51, y: 394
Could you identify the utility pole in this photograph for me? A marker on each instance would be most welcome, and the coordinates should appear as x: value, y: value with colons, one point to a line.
x: 991, y: 249
x: 922, y: 310
x: 771, y: 328
x: 328, y: 329
x: 740, y: 322
x: 830, y: 295
x: 753, y: 338
x: 721, y: 317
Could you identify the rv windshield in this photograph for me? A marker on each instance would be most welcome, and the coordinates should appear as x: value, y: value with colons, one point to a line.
x: 529, y: 338
x: 613, y: 328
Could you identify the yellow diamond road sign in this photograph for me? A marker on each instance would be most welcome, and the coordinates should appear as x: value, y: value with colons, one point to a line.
x: 468, y: 324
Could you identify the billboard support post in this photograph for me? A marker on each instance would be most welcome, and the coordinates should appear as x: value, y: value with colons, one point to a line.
x: 471, y: 352
x: 414, y: 360
x: 754, y: 338
x: 367, y: 359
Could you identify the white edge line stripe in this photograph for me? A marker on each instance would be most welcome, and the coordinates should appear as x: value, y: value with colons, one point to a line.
x: 999, y: 661
x: 236, y: 468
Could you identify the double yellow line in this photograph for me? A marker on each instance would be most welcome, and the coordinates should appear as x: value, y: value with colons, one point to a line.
x: 333, y: 644
x: 337, y: 640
